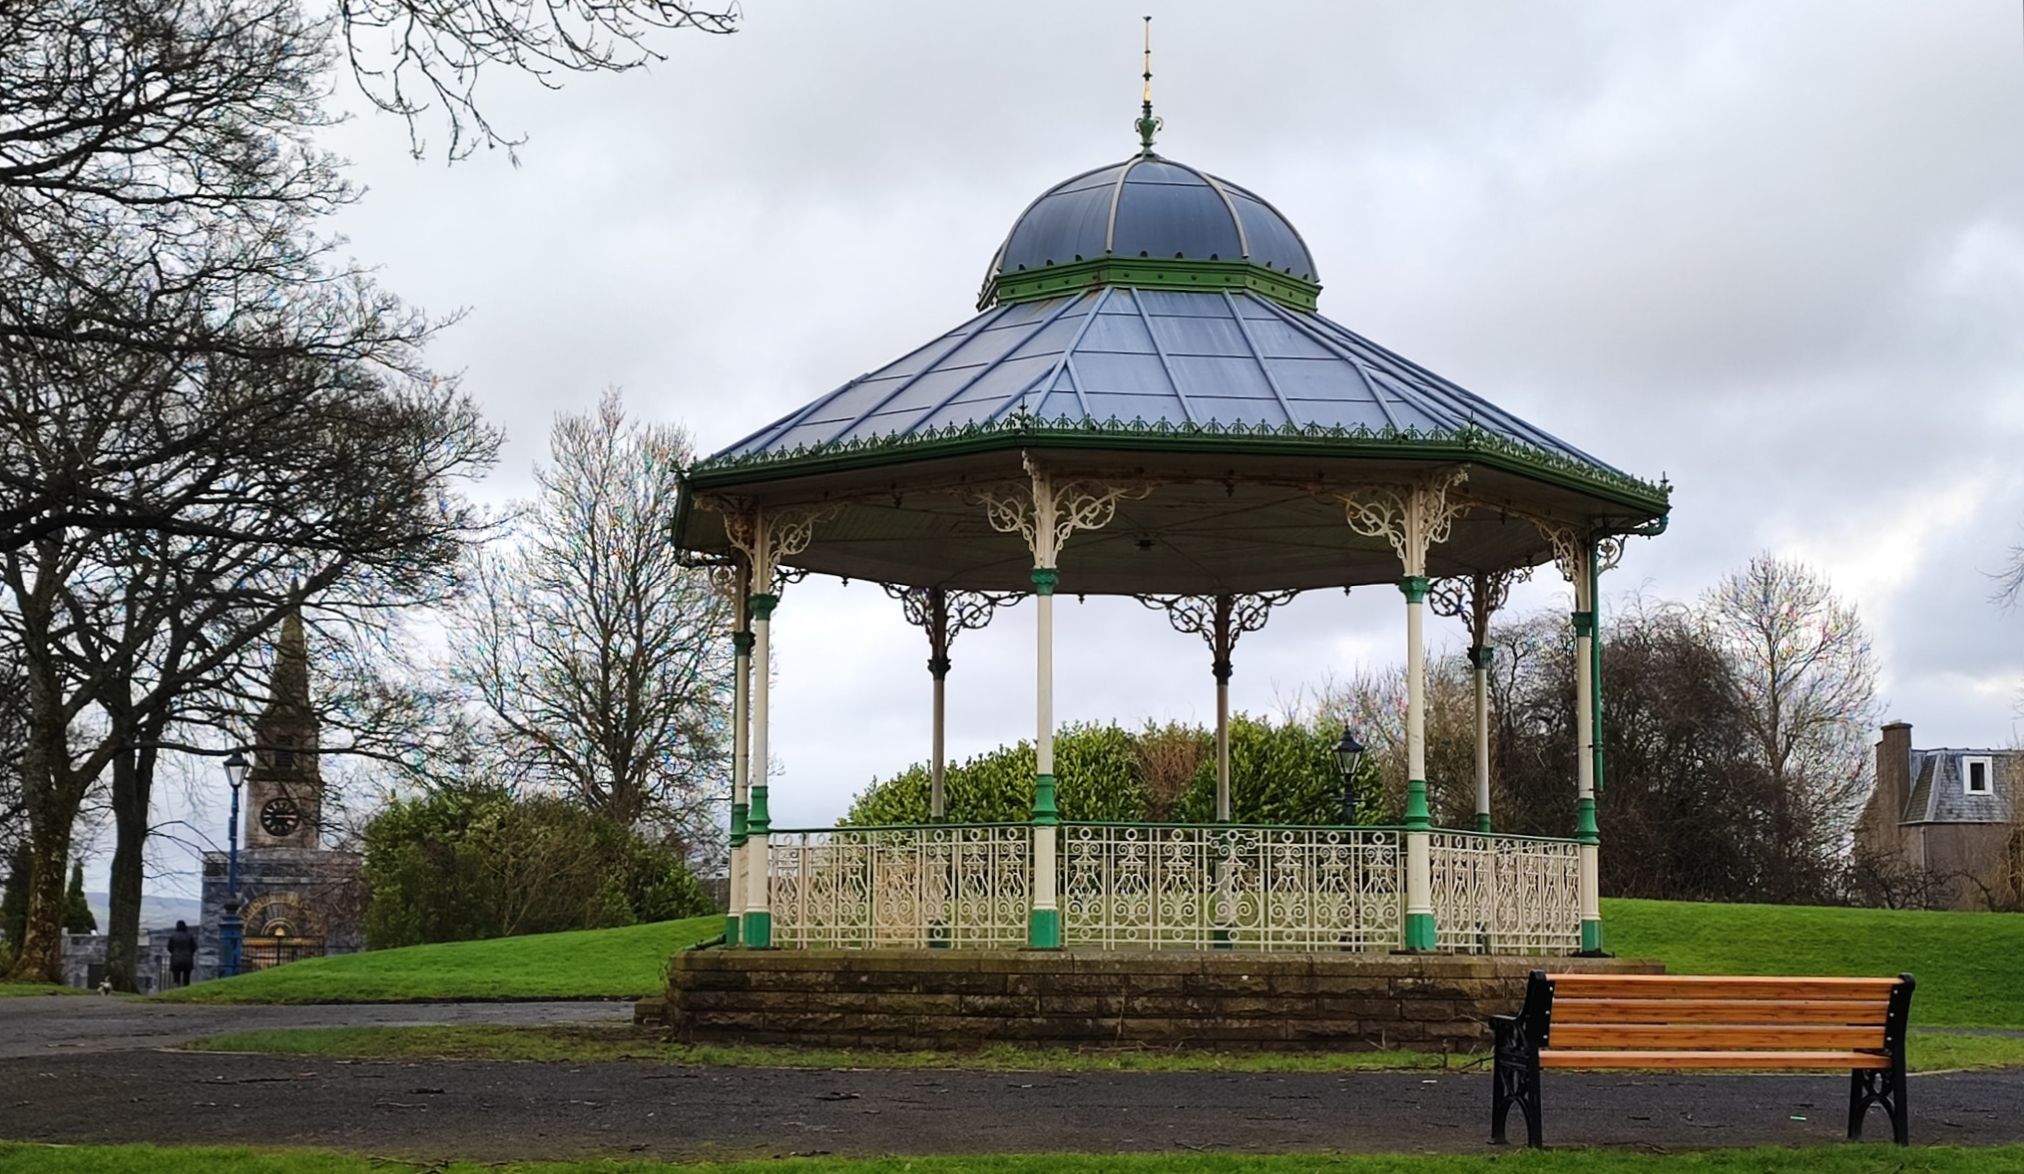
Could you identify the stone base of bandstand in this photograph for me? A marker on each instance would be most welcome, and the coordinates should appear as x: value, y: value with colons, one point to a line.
x: 1230, y: 1000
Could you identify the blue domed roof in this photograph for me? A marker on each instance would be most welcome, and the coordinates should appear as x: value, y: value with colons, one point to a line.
x: 1155, y: 208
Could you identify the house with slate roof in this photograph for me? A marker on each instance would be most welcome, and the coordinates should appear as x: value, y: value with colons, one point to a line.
x: 1950, y: 817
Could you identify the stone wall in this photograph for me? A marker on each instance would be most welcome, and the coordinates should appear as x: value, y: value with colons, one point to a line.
x: 1221, y: 999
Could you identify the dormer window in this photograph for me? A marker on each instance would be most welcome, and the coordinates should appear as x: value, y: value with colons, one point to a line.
x: 1975, y: 775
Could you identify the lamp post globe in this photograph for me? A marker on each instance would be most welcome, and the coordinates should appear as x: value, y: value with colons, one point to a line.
x: 230, y: 932
x: 1348, y: 758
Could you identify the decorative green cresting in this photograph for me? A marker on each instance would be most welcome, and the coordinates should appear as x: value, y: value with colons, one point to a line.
x: 1414, y: 588
x: 1420, y: 931
x: 1585, y: 830
x: 1043, y: 929
x: 1418, y: 817
x: 1045, y: 813
x: 1021, y: 430
x: 762, y: 606
x: 1045, y: 579
x: 1143, y: 272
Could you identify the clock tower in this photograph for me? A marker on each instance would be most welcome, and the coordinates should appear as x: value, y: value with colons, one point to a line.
x: 284, y: 788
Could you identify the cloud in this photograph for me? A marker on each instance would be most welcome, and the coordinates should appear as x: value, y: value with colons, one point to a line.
x: 1775, y: 251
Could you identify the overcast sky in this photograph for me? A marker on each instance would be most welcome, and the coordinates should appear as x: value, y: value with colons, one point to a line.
x: 1774, y: 251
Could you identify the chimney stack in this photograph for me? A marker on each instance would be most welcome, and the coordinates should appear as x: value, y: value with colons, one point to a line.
x: 1894, y: 769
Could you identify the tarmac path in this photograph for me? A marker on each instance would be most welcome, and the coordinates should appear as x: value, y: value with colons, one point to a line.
x: 38, y: 1025
x: 93, y: 1091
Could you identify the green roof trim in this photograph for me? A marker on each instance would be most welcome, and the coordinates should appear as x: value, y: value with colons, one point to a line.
x: 1469, y: 443
x: 1027, y: 285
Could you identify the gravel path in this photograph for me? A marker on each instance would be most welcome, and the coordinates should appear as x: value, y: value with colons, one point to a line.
x: 495, y: 1111
x: 89, y: 1069
x: 40, y: 1025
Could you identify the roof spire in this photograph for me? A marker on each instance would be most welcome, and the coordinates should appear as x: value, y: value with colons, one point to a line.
x: 1148, y: 125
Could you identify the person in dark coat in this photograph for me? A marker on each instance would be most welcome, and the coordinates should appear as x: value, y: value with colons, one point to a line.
x: 182, y: 955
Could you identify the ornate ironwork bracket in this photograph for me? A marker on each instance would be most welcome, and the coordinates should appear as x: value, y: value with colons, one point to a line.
x: 1218, y: 619
x: 1473, y: 599
x: 944, y: 613
x: 1411, y: 517
x: 1048, y: 512
x: 769, y: 537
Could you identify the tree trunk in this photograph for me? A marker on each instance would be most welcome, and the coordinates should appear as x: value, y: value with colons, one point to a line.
x: 132, y: 781
x: 46, y: 786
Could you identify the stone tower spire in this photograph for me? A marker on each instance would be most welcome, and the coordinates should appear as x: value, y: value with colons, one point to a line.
x: 285, y: 786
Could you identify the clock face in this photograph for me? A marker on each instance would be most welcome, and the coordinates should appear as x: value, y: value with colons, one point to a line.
x: 280, y: 817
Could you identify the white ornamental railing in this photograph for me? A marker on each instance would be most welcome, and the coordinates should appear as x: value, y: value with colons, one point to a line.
x: 948, y: 884
x: 1199, y: 886
x: 1506, y: 894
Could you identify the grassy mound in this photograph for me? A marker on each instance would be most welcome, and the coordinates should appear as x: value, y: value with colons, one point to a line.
x: 587, y: 964
x: 1965, y: 963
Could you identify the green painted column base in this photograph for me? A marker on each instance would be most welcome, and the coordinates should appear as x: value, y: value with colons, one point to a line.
x: 1419, y: 931
x: 1221, y: 939
x: 1483, y: 822
x: 731, y: 929
x: 758, y: 934
x: 1591, y: 938
x: 1043, y: 929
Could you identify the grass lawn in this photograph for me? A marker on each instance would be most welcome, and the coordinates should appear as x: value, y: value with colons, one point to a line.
x: 1852, y: 1159
x: 588, y: 964
x: 1967, y: 964
x: 9, y: 990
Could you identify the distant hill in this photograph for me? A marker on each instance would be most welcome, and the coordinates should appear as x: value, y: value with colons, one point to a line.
x: 157, y: 912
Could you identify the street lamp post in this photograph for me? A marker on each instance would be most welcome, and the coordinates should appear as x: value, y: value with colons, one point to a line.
x: 230, y: 932
x: 1348, y: 757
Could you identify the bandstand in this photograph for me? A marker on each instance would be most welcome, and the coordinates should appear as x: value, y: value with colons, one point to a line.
x: 1148, y: 403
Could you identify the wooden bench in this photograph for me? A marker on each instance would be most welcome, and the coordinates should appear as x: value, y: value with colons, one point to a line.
x: 1679, y: 1021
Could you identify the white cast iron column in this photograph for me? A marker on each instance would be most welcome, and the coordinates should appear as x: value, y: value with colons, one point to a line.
x: 1413, y: 518
x: 1479, y: 661
x: 1045, y: 515
x: 1585, y: 830
x: 757, y: 931
x: 765, y: 537
x: 741, y: 748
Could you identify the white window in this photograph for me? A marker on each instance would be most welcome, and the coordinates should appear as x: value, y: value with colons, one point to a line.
x: 1975, y: 775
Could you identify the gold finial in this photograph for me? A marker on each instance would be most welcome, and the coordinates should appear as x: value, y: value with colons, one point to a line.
x: 1147, y: 125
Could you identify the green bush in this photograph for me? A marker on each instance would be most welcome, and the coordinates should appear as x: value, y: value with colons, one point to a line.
x: 1282, y: 774
x: 1096, y: 776
x: 1278, y: 774
x: 481, y: 863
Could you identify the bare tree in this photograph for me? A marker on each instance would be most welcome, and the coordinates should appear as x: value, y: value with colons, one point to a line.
x: 1804, y: 672
x: 598, y: 654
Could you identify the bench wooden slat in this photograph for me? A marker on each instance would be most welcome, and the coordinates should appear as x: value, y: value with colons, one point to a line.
x: 1716, y: 986
x: 1676, y: 1036
x: 1737, y: 1011
x: 1558, y: 1058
